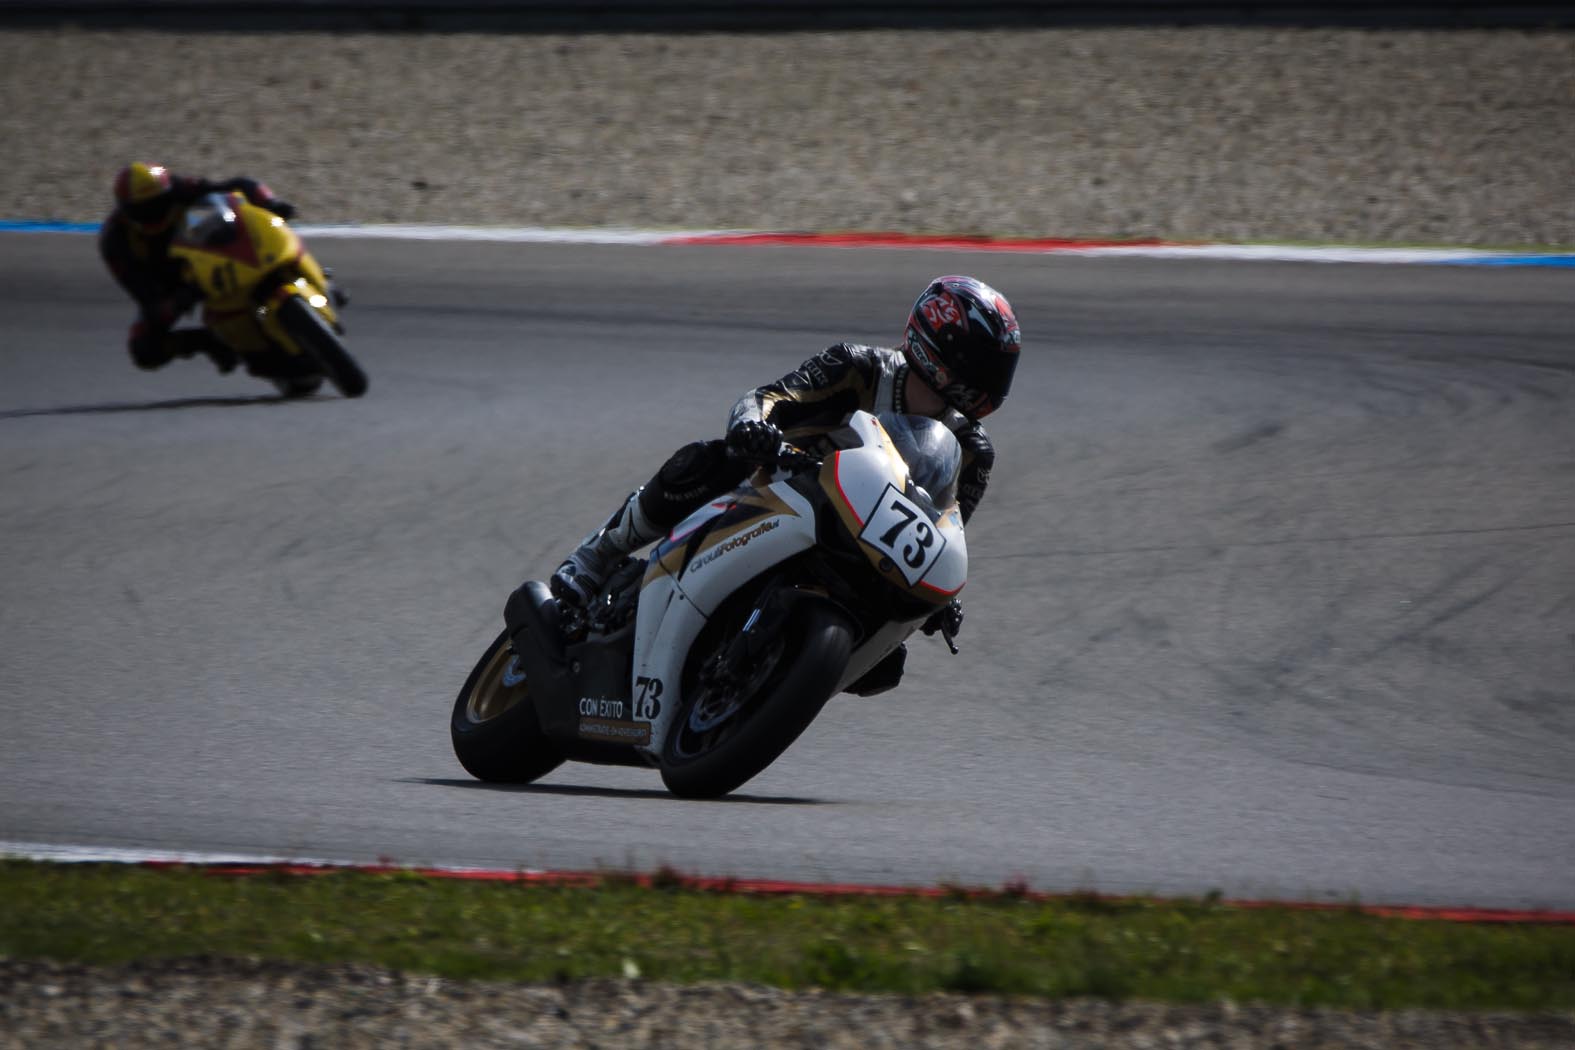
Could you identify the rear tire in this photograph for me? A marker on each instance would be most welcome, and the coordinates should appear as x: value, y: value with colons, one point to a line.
x: 316, y: 337
x: 494, y: 729
x: 708, y: 763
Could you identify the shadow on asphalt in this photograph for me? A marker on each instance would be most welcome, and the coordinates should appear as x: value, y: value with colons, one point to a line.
x: 605, y: 792
x: 113, y: 407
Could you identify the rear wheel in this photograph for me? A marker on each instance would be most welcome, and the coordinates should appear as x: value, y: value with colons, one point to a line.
x: 494, y: 729
x: 316, y: 337
x: 732, y: 726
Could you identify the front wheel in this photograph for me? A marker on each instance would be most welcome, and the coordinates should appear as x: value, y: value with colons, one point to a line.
x: 731, y: 727
x: 494, y: 729
x: 315, y: 337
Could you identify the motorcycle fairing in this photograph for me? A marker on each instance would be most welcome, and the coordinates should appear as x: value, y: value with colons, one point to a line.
x: 763, y: 528
x: 246, y: 261
x: 715, y: 525
x: 605, y: 709
x: 698, y: 518
x: 228, y: 229
x: 873, y: 649
x: 912, y: 546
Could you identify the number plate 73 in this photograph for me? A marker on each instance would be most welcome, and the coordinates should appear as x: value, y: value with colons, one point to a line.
x: 901, y: 531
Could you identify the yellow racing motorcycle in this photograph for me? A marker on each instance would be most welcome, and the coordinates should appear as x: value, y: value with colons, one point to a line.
x: 265, y: 296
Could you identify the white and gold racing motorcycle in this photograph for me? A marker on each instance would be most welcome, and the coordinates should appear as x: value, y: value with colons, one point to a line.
x: 708, y: 658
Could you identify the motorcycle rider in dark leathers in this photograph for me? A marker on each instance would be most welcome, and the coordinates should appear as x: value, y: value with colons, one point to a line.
x: 135, y: 241
x: 956, y: 363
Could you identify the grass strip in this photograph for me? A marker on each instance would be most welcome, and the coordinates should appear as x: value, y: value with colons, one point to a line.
x: 1180, y: 951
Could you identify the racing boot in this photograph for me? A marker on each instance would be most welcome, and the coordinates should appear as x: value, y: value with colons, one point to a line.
x: 580, y: 578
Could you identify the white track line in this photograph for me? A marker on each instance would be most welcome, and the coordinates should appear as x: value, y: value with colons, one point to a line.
x: 629, y: 236
x: 642, y: 237
x: 506, y: 234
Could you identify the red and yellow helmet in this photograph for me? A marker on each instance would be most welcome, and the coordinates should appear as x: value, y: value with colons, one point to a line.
x: 143, y: 193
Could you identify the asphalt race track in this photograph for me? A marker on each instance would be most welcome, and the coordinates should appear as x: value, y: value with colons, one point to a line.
x: 1273, y: 592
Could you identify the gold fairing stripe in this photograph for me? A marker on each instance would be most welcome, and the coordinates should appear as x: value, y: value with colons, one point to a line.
x: 763, y: 502
x: 833, y: 490
x: 665, y: 565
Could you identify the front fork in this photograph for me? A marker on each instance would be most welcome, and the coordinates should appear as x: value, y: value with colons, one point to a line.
x: 310, y: 283
x: 763, y: 626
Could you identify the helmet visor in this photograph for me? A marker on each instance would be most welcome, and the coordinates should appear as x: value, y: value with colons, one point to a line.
x: 980, y: 389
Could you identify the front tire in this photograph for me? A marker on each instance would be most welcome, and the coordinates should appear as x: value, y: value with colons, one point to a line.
x: 317, y: 338
x: 725, y: 734
x: 494, y: 729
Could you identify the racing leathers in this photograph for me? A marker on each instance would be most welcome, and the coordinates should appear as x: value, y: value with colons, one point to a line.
x: 819, y: 395
x: 807, y: 404
x: 139, y: 258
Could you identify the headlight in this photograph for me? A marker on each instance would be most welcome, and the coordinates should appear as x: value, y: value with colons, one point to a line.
x: 318, y: 301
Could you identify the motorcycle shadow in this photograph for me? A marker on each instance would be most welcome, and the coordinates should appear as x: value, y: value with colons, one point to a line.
x: 583, y: 790
x: 171, y: 404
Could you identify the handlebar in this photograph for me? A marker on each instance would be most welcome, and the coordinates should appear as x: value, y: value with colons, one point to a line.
x: 795, y: 458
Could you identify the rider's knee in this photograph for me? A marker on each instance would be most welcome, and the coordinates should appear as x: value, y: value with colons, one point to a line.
x: 693, y: 467
x: 698, y: 472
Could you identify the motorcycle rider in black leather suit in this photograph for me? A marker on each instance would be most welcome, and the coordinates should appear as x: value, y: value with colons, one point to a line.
x: 956, y: 364
x: 134, y: 242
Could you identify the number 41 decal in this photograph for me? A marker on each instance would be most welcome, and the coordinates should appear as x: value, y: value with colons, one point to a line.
x: 902, y: 531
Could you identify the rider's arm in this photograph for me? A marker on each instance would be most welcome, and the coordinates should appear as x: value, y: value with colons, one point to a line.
x: 256, y: 192
x: 978, y: 459
x: 816, y: 396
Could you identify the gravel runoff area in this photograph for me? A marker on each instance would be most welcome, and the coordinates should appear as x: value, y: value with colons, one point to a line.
x: 1462, y: 137
x: 1459, y: 137
x: 235, y: 1004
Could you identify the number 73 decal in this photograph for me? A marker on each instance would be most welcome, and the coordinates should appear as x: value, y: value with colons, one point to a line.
x: 901, y: 531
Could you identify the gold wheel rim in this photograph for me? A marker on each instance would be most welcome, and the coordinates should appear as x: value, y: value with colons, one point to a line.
x: 499, y: 688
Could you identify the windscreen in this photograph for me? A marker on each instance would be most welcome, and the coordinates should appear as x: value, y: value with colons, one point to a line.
x: 210, y: 220
x: 932, y: 453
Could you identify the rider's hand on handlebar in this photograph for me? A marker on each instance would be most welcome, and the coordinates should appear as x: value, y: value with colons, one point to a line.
x: 947, y: 620
x: 754, y: 440
x: 284, y: 209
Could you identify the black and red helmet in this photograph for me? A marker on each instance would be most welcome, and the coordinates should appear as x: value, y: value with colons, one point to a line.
x: 145, y: 196
x: 963, y: 340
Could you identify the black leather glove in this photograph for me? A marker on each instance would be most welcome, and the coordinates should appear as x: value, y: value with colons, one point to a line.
x: 754, y: 440
x: 284, y: 209
x: 947, y: 620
